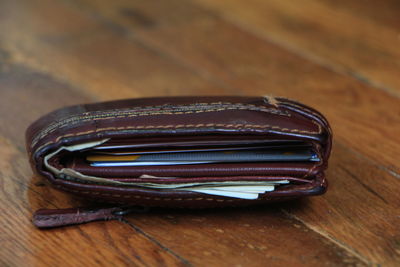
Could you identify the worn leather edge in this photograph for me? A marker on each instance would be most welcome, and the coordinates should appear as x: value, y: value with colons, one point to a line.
x: 46, y: 218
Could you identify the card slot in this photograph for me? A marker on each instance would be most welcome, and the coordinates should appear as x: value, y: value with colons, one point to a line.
x: 201, y: 155
x: 78, y: 163
x: 200, y: 158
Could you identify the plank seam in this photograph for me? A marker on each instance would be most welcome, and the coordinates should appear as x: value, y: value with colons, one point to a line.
x: 325, y: 235
x: 309, y: 56
x: 127, y: 33
x: 155, y: 241
x: 372, y: 162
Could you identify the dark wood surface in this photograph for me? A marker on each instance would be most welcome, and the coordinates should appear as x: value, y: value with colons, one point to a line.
x: 341, y: 57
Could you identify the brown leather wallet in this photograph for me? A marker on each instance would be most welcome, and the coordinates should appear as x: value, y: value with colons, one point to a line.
x: 186, y: 152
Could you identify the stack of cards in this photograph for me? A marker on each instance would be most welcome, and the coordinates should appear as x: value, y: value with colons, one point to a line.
x: 199, y: 156
x: 117, y: 157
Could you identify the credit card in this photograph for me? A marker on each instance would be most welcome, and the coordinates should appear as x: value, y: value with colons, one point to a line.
x: 145, y: 163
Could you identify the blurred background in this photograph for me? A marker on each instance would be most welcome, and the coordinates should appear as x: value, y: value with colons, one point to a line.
x: 341, y: 57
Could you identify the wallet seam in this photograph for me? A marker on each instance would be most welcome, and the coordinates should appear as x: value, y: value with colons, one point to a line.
x: 134, y: 113
x: 158, y: 127
x: 201, y: 104
x: 160, y: 198
x: 297, y: 105
x: 130, y: 196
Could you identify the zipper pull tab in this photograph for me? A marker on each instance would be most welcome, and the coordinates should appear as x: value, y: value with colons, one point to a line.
x: 50, y: 218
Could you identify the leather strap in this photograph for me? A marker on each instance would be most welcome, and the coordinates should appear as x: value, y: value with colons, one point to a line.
x: 50, y: 218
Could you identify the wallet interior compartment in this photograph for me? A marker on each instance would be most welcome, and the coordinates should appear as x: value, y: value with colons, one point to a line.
x: 76, y: 158
x: 245, y: 180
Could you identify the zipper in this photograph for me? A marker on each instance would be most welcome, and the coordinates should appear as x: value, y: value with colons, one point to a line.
x: 51, y: 218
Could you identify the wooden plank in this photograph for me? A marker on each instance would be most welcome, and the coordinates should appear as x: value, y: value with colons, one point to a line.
x: 243, y: 237
x: 24, y: 96
x: 360, y: 209
x: 102, y: 243
x: 386, y: 13
x: 337, y: 36
x: 78, y: 49
x: 245, y: 62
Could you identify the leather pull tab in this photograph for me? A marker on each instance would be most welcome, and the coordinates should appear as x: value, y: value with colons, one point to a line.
x: 49, y: 218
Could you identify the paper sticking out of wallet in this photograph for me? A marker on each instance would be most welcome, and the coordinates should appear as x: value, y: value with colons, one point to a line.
x: 192, y: 152
x: 235, y: 189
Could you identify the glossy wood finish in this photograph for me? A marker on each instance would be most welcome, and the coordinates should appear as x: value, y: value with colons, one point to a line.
x: 340, y: 57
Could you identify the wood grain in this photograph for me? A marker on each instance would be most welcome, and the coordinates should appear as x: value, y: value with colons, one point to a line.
x: 343, y: 35
x: 116, y: 66
x: 359, y: 211
x: 102, y: 244
x: 57, y: 53
x: 246, y: 236
x: 30, y: 95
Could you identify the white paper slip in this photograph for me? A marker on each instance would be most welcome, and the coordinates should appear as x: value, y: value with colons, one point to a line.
x: 199, y: 185
x: 226, y: 193
x: 241, y: 191
x: 247, y: 189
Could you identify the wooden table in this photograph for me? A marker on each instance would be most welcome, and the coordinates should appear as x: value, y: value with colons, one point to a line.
x: 341, y: 57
